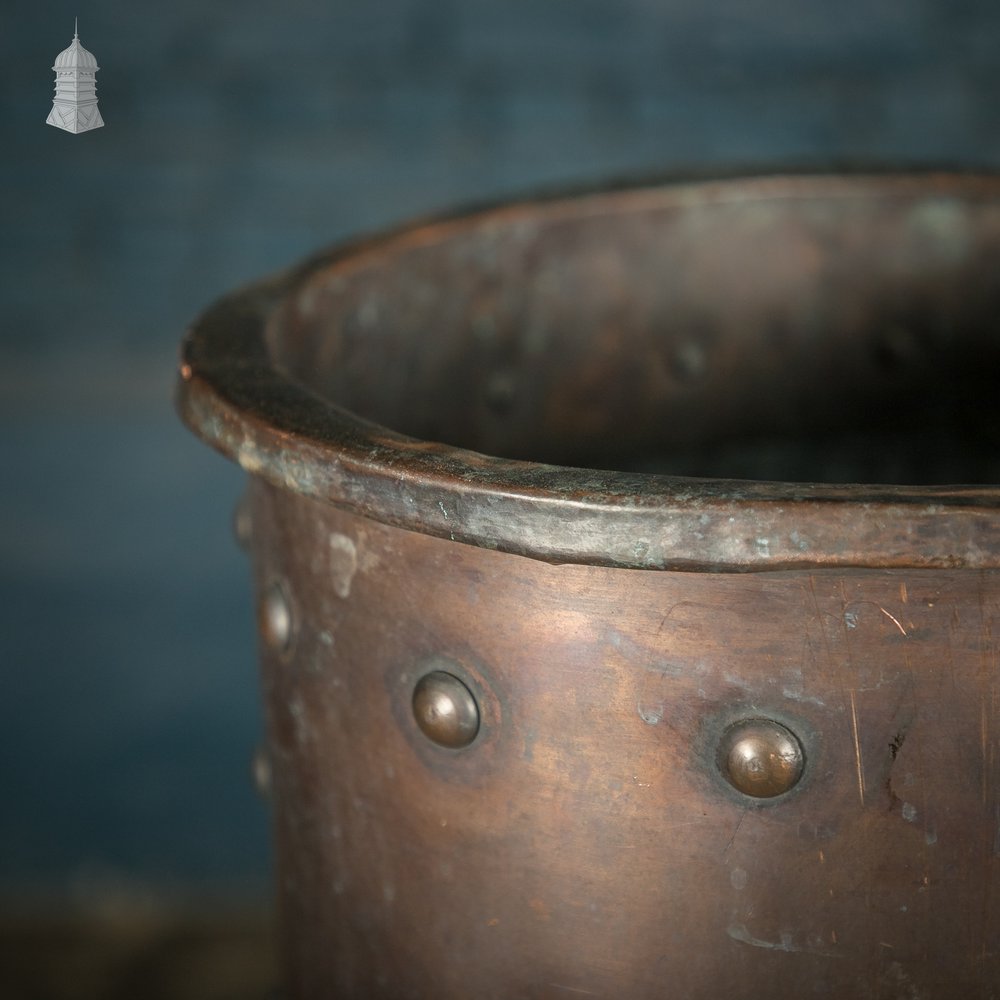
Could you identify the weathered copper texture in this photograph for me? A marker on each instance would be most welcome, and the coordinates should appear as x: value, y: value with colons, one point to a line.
x: 731, y: 738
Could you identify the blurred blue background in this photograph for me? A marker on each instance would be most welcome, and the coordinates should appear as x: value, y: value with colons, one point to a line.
x: 240, y: 137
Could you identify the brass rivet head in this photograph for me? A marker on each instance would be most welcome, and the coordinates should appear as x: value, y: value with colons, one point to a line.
x: 260, y: 769
x: 761, y: 758
x: 243, y: 523
x: 445, y: 710
x: 276, y: 617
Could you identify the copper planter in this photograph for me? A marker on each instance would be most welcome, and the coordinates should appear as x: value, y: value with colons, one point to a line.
x: 539, y: 730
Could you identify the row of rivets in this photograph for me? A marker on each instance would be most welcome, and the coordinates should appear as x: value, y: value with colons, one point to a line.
x: 759, y: 757
x: 273, y: 628
x: 444, y: 708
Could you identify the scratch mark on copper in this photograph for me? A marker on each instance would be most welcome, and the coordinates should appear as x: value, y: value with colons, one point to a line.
x: 857, y: 748
x: 573, y: 989
x: 689, y: 822
x: 739, y: 823
x: 902, y: 593
x: 893, y: 619
x: 983, y: 742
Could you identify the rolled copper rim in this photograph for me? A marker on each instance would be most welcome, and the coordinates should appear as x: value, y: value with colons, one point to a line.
x: 237, y: 397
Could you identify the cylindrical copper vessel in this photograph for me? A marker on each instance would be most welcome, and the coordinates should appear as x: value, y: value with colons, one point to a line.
x: 713, y: 724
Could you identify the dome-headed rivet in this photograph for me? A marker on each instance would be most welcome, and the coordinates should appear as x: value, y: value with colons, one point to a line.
x: 260, y: 770
x: 445, y: 710
x: 761, y: 758
x: 276, y: 617
x: 243, y: 523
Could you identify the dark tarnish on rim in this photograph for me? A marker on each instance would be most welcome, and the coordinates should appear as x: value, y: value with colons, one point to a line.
x: 235, y: 397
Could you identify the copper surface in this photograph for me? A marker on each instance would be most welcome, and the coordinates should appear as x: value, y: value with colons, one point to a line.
x: 751, y: 359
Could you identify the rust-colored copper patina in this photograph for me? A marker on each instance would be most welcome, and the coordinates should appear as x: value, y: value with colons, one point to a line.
x: 713, y: 724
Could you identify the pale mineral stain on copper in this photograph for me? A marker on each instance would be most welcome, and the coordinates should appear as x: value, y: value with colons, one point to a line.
x: 786, y: 942
x: 343, y: 563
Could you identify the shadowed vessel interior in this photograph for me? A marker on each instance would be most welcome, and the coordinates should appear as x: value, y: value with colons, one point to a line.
x: 834, y: 335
